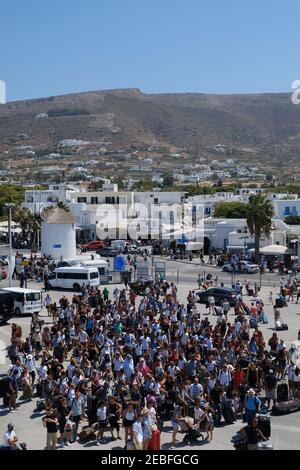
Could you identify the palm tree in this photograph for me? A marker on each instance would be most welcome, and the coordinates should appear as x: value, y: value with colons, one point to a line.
x: 259, y: 219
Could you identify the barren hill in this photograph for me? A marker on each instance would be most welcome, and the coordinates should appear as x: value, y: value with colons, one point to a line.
x: 268, y: 125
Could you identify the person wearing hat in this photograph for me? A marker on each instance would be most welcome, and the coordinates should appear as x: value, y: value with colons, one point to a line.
x: 252, y: 405
x: 31, y: 365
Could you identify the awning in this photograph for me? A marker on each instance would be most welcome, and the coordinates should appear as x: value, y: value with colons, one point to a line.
x: 274, y: 250
x: 235, y: 247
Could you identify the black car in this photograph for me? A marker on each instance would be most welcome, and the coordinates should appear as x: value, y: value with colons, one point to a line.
x: 108, y: 252
x: 139, y: 287
x: 6, y: 306
x: 219, y: 294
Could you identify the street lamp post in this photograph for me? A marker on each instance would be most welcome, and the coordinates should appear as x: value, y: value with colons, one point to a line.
x: 10, y: 206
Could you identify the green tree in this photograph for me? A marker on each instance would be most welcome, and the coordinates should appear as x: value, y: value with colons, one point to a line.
x: 259, y: 219
x: 143, y: 186
x: 292, y: 220
x: 10, y: 193
x: 168, y: 180
x: 231, y: 210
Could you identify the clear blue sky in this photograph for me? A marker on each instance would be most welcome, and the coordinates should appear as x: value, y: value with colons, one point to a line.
x: 51, y: 47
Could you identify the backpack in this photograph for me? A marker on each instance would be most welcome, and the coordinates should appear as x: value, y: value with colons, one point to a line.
x: 49, y: 386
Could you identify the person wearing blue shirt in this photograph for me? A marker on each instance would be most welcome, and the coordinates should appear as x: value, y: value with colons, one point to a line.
x: 252, y: 405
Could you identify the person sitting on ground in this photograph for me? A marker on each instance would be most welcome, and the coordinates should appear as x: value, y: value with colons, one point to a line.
x: 253, y: 434
x: 10, y: 439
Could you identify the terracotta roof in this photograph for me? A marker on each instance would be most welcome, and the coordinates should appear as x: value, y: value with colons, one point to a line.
x: 57, y: 216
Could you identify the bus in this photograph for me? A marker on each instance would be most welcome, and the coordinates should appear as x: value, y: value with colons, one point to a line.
x: 26, y: 301
x: 74, y: 277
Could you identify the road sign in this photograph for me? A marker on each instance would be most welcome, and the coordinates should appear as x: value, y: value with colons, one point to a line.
x: 119, y: 263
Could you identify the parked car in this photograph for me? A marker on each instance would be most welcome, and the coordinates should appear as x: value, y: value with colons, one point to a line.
x: 94, y: 245
x: 108, y: 252
x: 219, y: 294
x: 139, y: 287
x: 243, y: 267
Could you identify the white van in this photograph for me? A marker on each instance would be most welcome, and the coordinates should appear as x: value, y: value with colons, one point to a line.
x: 26, y: 301
x: 100, y: 264
x: 74, y: 277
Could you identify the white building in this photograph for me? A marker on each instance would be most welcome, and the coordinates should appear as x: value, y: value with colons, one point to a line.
x: 37, y: 200
x: 233, y: 234
x: 58, y: 235
x: 286, y: 207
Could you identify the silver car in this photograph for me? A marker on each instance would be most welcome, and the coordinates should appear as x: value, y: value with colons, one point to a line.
x: 243, y: 267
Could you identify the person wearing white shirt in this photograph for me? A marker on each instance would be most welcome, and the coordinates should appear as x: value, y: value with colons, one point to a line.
x: 129, y: 338
x: 138, y: 433
x: 181, y: 362
x: 101, y: 419
x: 146, y: 343
x: 83, y: 338
x: 31, y: 365
x: 70, y: 370
x: 208, y: 342
x: 181, y: 327
x: 162, y: 337
x: 118, y: 362
x: 184, y: 338
x: 69, y: 313
x: 43, y: 373
x: 172, y: 369
x: 224, y: 376
x: 61, y: 314
x: 183, y: 313
x: 173, y: 317
x: 291, y: 372
x: 10, y: 440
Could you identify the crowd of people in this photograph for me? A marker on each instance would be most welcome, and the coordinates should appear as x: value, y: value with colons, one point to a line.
x: 120, y: 360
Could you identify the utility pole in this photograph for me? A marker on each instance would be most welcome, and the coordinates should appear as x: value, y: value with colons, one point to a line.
x: 9, y: 206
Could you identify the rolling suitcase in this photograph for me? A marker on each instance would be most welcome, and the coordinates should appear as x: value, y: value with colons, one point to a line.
x: 246, y: 309
x: 92, y: 403
x: 286, y: 407
x: 250, y: 292
x: 4, y: 386
x: 253, y: 323
x: 39, y: 390
x: 40, y: 405
x: 265, y: 319
x: 6, y: 400
x: 87, y: 434
x: 227, y: 413
x: 154, y: 443
x: 264, y: 425
x: 282, y: 392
